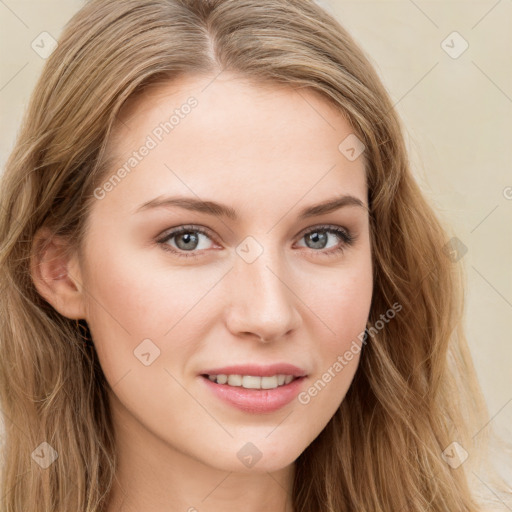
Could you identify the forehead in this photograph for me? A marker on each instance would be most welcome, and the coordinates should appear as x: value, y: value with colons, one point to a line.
x: 241, y: 141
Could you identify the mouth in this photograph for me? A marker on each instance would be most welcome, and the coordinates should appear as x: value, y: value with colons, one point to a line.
x: 252, y: 393
x: 252, y: 381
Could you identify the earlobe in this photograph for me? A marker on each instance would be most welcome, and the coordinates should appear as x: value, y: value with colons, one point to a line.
x: 56, y: 274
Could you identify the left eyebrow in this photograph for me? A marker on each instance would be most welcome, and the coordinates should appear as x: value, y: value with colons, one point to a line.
x: 331, y: 205
x: 222, y: 210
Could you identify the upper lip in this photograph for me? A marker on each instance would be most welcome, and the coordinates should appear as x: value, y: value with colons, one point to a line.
x: 257, y: 370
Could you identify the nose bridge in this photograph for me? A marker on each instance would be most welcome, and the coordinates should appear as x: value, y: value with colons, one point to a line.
x: 263, y: 302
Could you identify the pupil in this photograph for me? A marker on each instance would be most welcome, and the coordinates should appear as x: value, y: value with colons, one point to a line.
x: 318, y: 239
x: 188, y: 237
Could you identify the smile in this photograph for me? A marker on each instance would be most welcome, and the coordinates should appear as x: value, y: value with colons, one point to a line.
x: 248, y: 392
x: 252, y: 381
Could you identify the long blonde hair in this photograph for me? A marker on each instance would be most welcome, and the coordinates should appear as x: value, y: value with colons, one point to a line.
x: 415, y: 391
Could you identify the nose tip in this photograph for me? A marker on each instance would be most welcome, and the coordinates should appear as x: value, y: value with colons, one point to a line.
x: 264, y: 305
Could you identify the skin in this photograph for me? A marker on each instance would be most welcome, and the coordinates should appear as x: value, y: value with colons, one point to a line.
x: 268, y: 152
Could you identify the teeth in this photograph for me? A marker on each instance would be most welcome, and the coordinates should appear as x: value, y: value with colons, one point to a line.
x: 251, y: 381
x: 222, y: 379
x: 235, y: 380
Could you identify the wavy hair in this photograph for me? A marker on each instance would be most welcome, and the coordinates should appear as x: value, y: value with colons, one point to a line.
x: 415, y: 391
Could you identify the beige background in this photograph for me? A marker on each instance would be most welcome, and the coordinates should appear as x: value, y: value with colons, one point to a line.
x: 457, y: 113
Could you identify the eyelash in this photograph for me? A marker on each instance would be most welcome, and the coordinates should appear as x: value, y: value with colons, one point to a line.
x: 347, y: 239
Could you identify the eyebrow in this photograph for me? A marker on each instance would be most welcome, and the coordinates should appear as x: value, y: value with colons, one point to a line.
x: 221, y: 210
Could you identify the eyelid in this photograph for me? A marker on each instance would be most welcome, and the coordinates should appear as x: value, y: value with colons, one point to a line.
x: 171, y: 232
x: 325, y: 227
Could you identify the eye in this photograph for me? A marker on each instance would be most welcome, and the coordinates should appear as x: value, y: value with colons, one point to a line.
x: 188, y: 238
x: 318, y: 238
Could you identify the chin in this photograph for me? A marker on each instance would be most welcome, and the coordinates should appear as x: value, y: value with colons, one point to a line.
x: 259, y: 457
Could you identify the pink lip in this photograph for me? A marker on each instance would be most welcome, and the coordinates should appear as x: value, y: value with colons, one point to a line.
x: 257, y: 370
x: 256, y: 401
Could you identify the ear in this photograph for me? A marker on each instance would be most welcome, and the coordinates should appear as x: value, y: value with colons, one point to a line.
x: 56, y: 274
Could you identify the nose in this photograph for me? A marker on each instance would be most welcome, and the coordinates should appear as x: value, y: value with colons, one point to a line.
x: 262, y: 302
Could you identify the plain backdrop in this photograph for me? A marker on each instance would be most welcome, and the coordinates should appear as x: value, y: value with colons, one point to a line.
x: 447, y: 67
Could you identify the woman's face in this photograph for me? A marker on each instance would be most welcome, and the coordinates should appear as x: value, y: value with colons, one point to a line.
x: 253, y: 282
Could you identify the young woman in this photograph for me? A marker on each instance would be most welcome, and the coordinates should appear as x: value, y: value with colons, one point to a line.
x: 222, y: 288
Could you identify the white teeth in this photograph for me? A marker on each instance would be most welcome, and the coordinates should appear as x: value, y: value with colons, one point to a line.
x: 222, y: 379
x: 251, y: 381
x: 269, y: 382
x: 235, y: 380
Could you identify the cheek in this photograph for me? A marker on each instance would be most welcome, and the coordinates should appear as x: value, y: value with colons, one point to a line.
x: 136, y: 308
x: 348, y: 309
x: 342, y: 302
x: 342, y: 305
x: 139, y: 297
x: 132, y: 299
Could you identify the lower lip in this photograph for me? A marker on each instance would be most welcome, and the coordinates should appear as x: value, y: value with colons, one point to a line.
x: 256, y: 401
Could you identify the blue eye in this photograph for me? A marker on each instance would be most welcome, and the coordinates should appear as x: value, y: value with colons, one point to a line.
x: 187, y: 240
